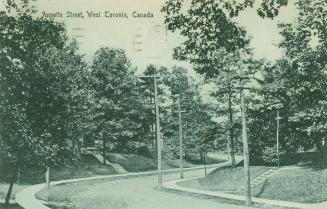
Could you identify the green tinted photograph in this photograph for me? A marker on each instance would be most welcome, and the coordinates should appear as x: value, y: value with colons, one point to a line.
x: 163, y: 104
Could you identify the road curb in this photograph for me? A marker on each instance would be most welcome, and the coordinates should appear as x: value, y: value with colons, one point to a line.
x: 26, y: 197
x: 172, y: 185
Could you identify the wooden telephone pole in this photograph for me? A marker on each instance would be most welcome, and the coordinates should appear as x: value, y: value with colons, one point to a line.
x: 158, y: 132
x: 180, y: 134
x: 245, y: 144
x: 277, y: 138
x: 159, y: 143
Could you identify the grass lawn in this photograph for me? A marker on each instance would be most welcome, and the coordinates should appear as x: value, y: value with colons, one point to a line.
x: 89, y: 166
x: 13, y: 206
x: 305, y: 185
x: 4, y: 188
x: 211, y: 159
x: 61, y: 193
x: 174, y: 163
x: 224, y: 179
x: 60, y: 196
x: 132, y: 162
x: 138, y: 163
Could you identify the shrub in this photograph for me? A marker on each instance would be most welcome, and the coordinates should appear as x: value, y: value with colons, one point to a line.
x: 145, y: 151
x: 270, y: 155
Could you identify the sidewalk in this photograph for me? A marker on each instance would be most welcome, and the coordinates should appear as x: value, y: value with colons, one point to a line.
x: 173, y: 186
x: 26, y: 197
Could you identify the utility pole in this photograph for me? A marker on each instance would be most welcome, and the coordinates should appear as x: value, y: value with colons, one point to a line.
x: 245, y: 145
x: 228, y: 150
x: 277, y: 137
x: 180, y: 137
x: 158, y: 132
x: 157, y: 127
x: 104, y: 142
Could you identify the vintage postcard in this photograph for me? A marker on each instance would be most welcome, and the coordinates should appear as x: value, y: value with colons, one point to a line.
x: 163, y: 104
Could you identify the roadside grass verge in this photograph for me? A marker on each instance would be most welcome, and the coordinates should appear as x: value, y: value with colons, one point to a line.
x: 195, y: 159
x: 88, y: 166
x: 63, y: 192
x: 11, y: 206
x: 139, y: 163
x: 227, y: 201
x: 304, y: 185
x: 224, y: 178
x: 132, y: 162
x: 4, y: 188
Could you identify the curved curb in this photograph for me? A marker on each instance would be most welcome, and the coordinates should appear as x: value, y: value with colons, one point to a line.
x: 172, y: 185
x: 26, y: 197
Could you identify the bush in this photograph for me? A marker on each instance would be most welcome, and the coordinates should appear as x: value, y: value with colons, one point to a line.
x: 270, y: 155
x: 145, y: 151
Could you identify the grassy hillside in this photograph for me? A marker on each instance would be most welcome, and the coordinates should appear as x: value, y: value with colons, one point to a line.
x: 12, y: 206
x: 138, y: 163
x: 224, y: 178
x: 88, y: 166
x: 306, y: 185
x: 195, y: 159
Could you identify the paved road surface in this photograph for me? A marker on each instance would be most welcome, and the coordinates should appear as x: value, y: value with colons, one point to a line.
x: 142, y: 193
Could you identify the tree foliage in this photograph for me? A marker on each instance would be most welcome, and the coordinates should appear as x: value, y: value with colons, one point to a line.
x: 295, y: 85
x: 35, y: 73
x: 41, y: 86
x: 116, y: 101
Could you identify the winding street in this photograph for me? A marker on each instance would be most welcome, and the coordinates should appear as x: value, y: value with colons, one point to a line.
x: 143, y: 193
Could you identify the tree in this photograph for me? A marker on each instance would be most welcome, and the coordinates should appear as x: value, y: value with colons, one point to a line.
x: 200, y: 133
x: 213, y: 43
x: 113, y: 90
x: 56, y: 104
x: 206, y: 28
x: 223, y: 71
x: 35, y: 94
x: 307, y: 65
x: 145, y: 86
x: 209, y: 26
x: 179, y: 84
x: 295, y: 85
x: 267, y: 8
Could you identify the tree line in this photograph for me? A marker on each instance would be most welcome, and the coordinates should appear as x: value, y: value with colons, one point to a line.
x: 294, y: 85
x: 51, y: 97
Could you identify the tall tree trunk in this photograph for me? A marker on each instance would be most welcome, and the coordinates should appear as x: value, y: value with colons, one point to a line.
x: 231, y: 128
x: 205, y: 163
x: 12, y: 180
x: 18, y: 176
x: 74, y: 144
x: 201, y: 156
x: 228, y: 148
x: 47, y: 178
x: 80, y: 144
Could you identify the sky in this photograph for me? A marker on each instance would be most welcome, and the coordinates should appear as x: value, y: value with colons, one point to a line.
x: 146, y: 40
